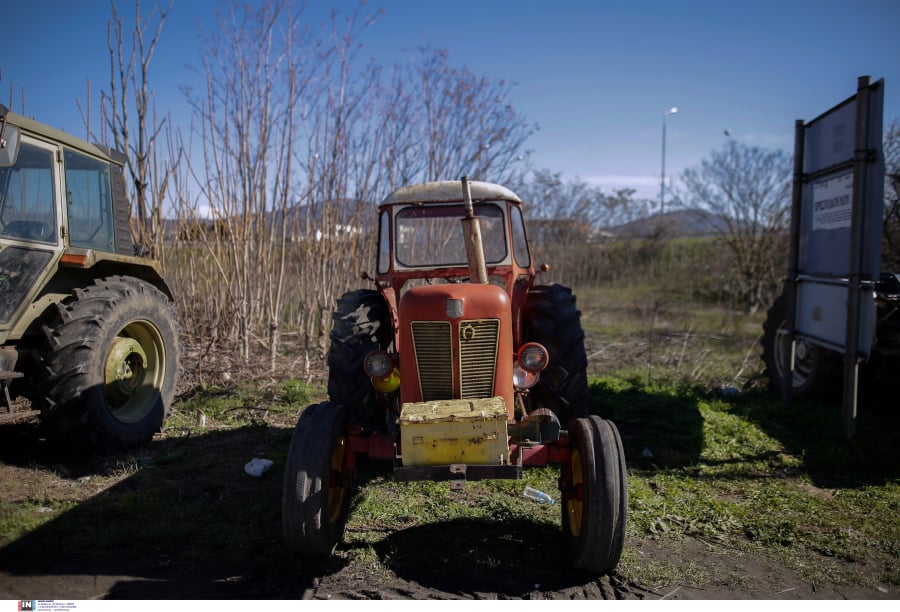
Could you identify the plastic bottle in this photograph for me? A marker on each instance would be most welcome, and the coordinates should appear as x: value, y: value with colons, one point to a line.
x: 538, y: 496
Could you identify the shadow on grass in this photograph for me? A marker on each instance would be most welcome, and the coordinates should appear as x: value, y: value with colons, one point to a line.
x: 195, y: 526
x: 473, y: 557
x: 659, y: 429
x: 812, y: 430
x: 187, y: 523
x: 665, y: 430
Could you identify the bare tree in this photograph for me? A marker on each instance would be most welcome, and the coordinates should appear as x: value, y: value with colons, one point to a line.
x: 299, y: 136
x: 549, y: 196
x: 565, y: 217
x: 136, y: 135
x: 468, y: 125
x: 747, y: 190
x: 248, y: 126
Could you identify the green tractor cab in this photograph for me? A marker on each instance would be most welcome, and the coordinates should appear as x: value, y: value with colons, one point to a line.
x: 87, y: 328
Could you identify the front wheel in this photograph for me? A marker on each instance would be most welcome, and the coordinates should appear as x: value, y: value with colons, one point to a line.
x: 318, y: 482
x: 595, y: 493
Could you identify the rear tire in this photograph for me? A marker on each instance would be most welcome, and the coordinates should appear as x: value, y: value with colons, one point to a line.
x: 361, y: 325
x: 317, y: 489
x: 595, y: 508
x: 816, y: 371
x: 111, y: 365
x: 551, y: 318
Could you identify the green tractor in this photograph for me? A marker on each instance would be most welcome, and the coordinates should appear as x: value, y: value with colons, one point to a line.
x: 87, y: 328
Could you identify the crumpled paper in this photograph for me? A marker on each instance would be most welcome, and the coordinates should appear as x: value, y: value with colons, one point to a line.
x: 256, y: 466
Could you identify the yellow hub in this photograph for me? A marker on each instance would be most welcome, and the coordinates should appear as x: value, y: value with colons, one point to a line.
x: 125, y: 367
x: 336, y: 489
x: 575, y: 503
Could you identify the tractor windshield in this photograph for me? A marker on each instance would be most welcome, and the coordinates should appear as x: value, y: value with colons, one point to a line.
x: 431, y: 236
x: 27, y: 209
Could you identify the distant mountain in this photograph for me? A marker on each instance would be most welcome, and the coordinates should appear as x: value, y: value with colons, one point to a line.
x: 682, y: 223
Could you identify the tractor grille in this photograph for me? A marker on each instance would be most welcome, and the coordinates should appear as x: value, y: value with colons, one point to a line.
x: 431, y: 341
x: 477, y: 357
x: 477, y: 350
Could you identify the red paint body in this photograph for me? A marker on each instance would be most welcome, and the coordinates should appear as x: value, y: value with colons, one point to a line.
x: 429, y: 303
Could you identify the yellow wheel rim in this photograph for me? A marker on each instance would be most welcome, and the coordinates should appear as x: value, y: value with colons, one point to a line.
x: 575, y: 504
x: 336, y: 489
x: 134, y: 371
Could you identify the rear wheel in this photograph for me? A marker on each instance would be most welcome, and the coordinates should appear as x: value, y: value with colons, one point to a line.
x: 815, y: 369
x: 112, y: 362
x: 318, y: 482
x: 361, y: 325
x: 551, y: 318
x: 595, y: 508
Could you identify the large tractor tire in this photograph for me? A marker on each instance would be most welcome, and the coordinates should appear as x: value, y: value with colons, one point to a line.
x: 551, y: 318
x: 111, y: 365
x: 816, y: 370
x: 595, y: 496
x: 318, y: 486
x: 361, y: 324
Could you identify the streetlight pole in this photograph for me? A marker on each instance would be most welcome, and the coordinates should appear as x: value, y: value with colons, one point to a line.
x: 662, y: 174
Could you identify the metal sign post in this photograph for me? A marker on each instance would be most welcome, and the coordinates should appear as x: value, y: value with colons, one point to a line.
x: 836, y: 220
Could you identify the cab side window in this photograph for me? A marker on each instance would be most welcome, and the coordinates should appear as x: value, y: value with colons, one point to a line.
x: 27, y: 196
x: 520, y: 244
x: 89, y: 202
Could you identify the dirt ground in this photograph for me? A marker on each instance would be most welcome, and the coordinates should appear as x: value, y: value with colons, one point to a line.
x: 30, y: 567
x: 737, y: 578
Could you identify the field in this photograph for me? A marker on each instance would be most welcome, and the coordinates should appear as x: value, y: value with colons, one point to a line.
x: 730, y: 495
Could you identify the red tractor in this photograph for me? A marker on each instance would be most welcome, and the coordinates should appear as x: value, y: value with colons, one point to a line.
x: 457, y: 367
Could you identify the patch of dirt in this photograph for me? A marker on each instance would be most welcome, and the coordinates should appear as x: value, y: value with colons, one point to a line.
x: 735, y: 577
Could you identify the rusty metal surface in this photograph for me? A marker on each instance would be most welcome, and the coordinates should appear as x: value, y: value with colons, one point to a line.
x: 449, y: 191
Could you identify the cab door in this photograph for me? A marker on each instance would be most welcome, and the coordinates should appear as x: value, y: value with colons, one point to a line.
x: 30, y: 227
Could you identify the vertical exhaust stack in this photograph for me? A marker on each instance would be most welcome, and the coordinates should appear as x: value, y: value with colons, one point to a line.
x: 472, y: 236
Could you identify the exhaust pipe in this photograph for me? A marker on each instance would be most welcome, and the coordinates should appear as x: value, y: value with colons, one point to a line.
x: 472, y: 236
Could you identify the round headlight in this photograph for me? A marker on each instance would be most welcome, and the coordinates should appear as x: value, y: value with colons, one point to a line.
x: 533, y: 357
x: 522, y: 378
x: 378, y: 364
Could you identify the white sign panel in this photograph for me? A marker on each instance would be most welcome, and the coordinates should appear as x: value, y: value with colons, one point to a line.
x: 832, y: 202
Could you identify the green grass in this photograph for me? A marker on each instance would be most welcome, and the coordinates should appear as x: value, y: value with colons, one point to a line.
x: 645, y: 334
x: 740, y: 472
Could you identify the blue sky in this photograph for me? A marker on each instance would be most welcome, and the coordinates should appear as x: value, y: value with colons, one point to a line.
x: 596, y: 76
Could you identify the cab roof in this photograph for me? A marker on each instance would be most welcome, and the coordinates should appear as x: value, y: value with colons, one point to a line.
x: 449, y: 191
x: 30, y: 126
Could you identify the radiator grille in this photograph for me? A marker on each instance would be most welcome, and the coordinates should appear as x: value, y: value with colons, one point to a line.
x: 477, y: 349
x: 431, y: 342
x: 477, y: 357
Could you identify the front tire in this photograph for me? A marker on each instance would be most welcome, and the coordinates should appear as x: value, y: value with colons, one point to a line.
x: 111, y: 365
x: 318, y: 484
x: 595, y: 508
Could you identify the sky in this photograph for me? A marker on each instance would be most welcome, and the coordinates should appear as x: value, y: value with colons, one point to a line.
x: 597, y: 77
